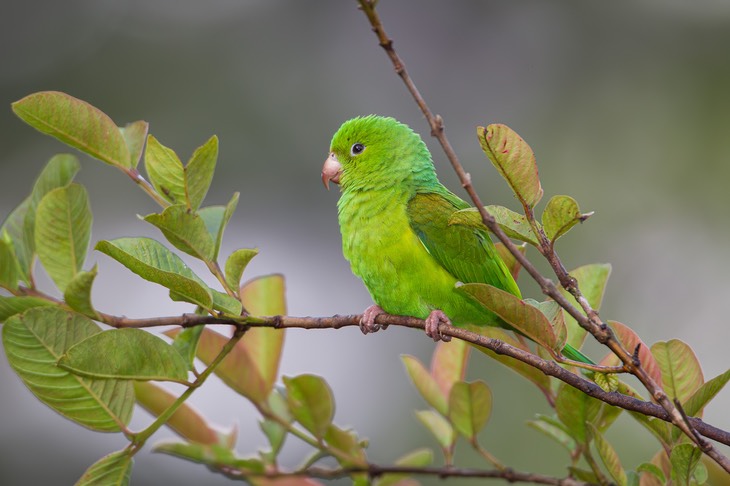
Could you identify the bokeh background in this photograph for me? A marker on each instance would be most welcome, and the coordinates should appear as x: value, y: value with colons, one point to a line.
x: 626, y: 103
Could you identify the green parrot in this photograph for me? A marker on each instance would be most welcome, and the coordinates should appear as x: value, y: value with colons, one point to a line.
x: 393, y: 214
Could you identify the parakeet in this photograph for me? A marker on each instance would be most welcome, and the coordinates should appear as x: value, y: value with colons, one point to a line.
x: 393, y: 214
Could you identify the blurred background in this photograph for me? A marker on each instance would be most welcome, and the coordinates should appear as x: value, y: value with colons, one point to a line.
x: 626, y: 104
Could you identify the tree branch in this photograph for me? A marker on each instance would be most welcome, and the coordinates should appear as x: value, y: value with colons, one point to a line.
x: 374, y: 471
x: 549, y: 368
x: 590, y: 321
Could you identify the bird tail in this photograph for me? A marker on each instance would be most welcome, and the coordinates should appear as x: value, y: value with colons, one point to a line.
x: 571, y: 353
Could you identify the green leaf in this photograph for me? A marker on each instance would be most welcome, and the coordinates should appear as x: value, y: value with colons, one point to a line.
x: 419, y: 458
x: 583, y: 475
x: 186, y: 421
x: 684, y: 459
x: 75, y: 123
x: 226, y: 304
x: 78, y: 293
x: 114, y: 469
x: 185, y: 230
x: 653, y: 469
x: 128, y: 354
x: 592, y: 280
x: 135, y: 134
x: 9, y: 306
x: 513, y: 224
x: 20, y: 224
x: 696, y: 403
x: 552, y: 428
x: 214, y: 455
x: 609, y: 457
x: 236, y: 264
x: 514, y: 160
x: 681, y: 371
x: 35, y: 340
x: 153, y: 262
x: 439, y: 427
x: 561, y: 214
x: 165, y: 171
x: 575, y: 409
x: 470, y: 405
x: 630, y: 340
x: 186, y: 343
x: 9, y: 266
x: 525, y: 318
x: 274, y: 431
x: 426, y: 385
x: 347, y: 442
x: 310, y: 403
x: 62, y: 232
x: 199, y: 171
x: 22, y: 238
x: 216, y: 219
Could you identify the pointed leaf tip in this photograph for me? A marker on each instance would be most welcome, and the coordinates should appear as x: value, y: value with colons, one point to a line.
x: 75, y: 123
x: 560, y: 215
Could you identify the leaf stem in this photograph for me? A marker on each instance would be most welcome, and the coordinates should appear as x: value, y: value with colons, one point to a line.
x: 141, y: 437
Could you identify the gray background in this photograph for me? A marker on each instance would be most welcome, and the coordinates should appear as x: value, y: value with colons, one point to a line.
x: 625, y: 103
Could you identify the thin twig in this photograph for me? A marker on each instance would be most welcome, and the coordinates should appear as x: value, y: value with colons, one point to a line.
x: 590, y: 321
x: 374, y: 471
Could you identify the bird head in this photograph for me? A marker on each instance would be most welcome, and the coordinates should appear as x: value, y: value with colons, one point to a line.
x: 375, y: 152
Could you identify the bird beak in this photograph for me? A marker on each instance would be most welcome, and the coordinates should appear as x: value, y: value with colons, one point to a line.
x: 331, y: 170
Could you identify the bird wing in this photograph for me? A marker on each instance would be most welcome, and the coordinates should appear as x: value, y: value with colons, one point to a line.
x: 467, y: 253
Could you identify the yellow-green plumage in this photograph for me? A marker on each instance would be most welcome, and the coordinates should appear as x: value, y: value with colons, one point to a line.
x: 393, y: 215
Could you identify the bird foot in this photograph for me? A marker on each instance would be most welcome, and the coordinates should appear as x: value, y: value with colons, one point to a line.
x: 433, y: 320
x: 367, y: 321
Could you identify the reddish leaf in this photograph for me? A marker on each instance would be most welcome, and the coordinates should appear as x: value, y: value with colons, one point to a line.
x: 514, y: 160
x: 449, y: 364
x: 527, y: 319
x: 630, y: 341
x: 186, y: 421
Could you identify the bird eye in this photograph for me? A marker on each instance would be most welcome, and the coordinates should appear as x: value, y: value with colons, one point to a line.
x: 357, y: 149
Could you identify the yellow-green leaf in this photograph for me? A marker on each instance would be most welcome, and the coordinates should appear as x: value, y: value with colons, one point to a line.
x: 310, y: 403
x: 439, y: 427
x: 185, y: 230
x: 35, y: 340
x: 135, y: 134
x: 426, y: 385
x: 685, y: 459
x: 9, y: 266
x: 561, y: 214
x: 236, y: 264
x: 152, y: 261
x: 165, y: 171
x: 509, y: 259
x: 592, y: 281
x: 608, y: 456
x: 680, y: 369
x: 470, y: 405
x: 62, y: 232
x: 78, y: 293
x: 514, y: 160
x: 76, y: 123
x: 114, y: 469
x: 128, y: 354
x: 9, y: 306
x: 575, y: 410
x: 199, y: 171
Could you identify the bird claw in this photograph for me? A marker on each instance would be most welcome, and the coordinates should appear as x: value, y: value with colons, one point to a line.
x: 434, y: 319
x: 367, y: 321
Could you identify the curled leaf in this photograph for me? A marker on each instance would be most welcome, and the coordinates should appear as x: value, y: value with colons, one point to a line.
x: 561, y: 214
